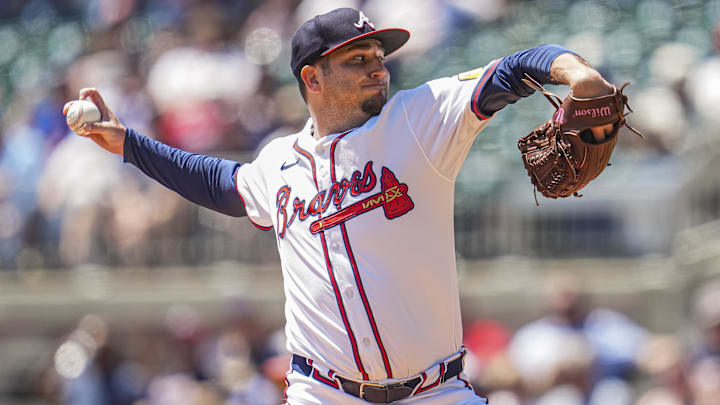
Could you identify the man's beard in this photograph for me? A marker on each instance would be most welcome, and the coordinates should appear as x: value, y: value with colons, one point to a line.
x: 373, y: 105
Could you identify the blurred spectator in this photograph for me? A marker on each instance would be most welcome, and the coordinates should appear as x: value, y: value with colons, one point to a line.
x: 707, y: 317
x: 21, y: 155
x: 199, y: 87
x: 180, y: 389
x: 486, y: 341
x: 704, y: 374
x: 567, y: 355
x: 664, y: 360
x: 184, y: 364
x: 72, y: 194
x: 81, y: 364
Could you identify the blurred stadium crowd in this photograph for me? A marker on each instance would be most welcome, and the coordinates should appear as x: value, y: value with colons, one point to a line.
x: 582, y: 354
x: 577, y: 353
x: 213, y: 77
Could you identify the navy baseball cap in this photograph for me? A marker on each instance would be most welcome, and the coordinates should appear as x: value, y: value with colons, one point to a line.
x: 328, y: 32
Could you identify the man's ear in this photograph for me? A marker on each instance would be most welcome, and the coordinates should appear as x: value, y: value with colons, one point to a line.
x: 309, y: 75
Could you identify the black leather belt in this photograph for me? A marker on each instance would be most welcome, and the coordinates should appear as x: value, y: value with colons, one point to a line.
x: 380, y: 393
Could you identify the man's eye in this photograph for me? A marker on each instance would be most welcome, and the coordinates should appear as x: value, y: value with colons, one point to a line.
x: 359, y: 58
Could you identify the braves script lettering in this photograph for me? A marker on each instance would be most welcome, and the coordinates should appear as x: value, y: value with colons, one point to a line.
x: 592, y: 112
x: 393, y: 198
x: 357, y: 184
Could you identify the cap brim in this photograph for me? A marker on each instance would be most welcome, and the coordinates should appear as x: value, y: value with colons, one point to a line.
x: 390, y: 38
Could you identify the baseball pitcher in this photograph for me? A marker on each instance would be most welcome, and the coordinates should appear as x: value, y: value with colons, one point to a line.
x: 361, y: 201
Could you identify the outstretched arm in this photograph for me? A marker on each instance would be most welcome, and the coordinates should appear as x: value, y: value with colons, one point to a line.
x: 204, y: 180
x: 502, y: 84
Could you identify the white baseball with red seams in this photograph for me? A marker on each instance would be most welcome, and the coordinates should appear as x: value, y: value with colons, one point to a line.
x: 81, y: 112
x: 364, y: 227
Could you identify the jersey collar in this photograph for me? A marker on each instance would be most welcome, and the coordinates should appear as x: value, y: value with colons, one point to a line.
x: 305, y: 137
x: 307, y: 141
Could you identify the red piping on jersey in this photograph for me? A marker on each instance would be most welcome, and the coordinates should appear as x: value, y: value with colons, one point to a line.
x: 442, y: 371
x: 287, y: 384
x: 422, y: 381
x: 467, y: 384
x: 341, y: 307
x: 309, y: 157
x: 325, y: 380
x: 480, y: 85
x: 363, y: 296
x: 356, y: 273
x: 316, y: 375
x: 260, y: 227
x: 331, y: 273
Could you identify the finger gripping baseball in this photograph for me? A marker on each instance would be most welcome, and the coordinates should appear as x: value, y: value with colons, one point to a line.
x: 561, y: 156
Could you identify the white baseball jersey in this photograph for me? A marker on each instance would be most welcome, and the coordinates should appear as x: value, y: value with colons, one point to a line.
x: 364, y: 226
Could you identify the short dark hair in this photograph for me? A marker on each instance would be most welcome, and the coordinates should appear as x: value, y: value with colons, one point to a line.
x: 324, y: 64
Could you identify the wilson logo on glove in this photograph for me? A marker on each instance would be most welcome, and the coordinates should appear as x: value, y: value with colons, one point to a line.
x: 593, y: 112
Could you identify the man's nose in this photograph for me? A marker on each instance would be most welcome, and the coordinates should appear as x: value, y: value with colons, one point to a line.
x: 379, y: 71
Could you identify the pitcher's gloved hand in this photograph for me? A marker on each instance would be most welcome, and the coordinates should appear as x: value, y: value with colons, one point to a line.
x: 563, y: 155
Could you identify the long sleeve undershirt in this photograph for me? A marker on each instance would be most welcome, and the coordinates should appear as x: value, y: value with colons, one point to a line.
x: 505, y: 86
x: 204, y: 180
x: 210, y: 181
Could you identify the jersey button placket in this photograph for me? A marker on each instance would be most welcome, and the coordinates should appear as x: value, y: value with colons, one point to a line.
x: 345, y: 275
x: 353, y: 305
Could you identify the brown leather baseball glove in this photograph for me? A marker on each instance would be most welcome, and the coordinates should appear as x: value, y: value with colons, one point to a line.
x: 562, y: 156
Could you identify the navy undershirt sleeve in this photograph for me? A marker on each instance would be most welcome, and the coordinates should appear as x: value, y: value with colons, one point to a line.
x: 204, y: 180
x: 502, y: 83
